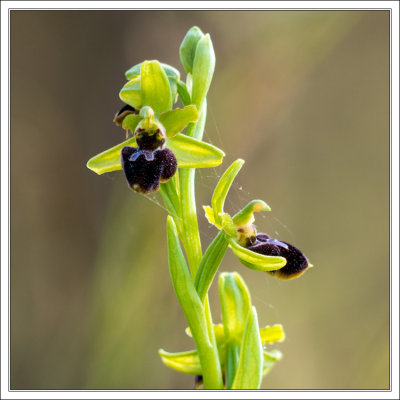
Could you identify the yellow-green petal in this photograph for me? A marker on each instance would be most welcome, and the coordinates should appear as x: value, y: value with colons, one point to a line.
x: 255, y: 260
x: 187, y: 362
x: 271, y: 334
x: 176, y: 120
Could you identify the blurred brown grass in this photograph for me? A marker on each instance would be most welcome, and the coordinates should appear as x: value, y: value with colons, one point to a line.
x: 302, y: 96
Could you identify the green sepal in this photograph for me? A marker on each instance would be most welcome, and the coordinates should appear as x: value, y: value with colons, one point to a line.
x: 272, y: 334
x: 245, y: 216
x: 170, y: 71
x: 222, y: 188
x: 131, y: 93
x: 255, y: 260
x: 235, y: 305
x: 203, y: 70
x: 183, y: 93
x: 156, y: 91
x: 189, y: 152
x: 131, y: 121
x: 270, y: 357
x: 192, y: 153
x: 187, y: 49
x: 176, y: 120
x: 109, y: 160
x: 250, y: 366
x: 209, y: 264
x: 187, y: 362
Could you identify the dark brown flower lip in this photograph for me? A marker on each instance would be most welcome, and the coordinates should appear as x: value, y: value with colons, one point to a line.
x: 123, y: 112
x: 296, y: 261
x: 144, y: 169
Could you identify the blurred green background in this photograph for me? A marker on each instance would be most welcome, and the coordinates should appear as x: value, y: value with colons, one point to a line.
x: 302, y: 96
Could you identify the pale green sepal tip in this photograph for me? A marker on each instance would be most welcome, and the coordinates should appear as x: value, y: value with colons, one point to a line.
x: 222, y: 188
x: 170, y: 71
x: 255, y: 260
x: 192, y: 153
x: 250, y: 367
x: 109, y: 160
x: 155, y: 88
x: 187, y: 362
x: 187, y: 49
x: 245, y: 216
x: 270, y: 358
x: 235, y: 304
x: 272, y: 334
x: 203, y: 70
x: 176, y: 120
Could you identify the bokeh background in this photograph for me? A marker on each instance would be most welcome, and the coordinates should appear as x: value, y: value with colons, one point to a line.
x: 302, y: 96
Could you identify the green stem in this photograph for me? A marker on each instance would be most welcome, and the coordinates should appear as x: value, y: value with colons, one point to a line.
x: 185, y: 216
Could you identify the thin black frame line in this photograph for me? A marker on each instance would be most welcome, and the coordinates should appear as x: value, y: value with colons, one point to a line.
x: 390, y: 201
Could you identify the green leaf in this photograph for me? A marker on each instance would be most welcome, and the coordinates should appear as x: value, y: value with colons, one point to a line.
x: 256, y: 261
x: 156, y: 91
x: 187, y: 362
x: 192, y: 153
x: 109, y: 160
x: 250, y: 366
x: 131, y: 121
x: 222, y: 188
x: 183, y: 93
x: 170, y: 71
x: 187, y: 49
x: 235, y: 305
x: 131, y: 93
x: 176, y: 120
x: 209, y: 264
x: 182, y: 282
x: 271, y: 334
x: 269, y: 359
x: 203, y: 70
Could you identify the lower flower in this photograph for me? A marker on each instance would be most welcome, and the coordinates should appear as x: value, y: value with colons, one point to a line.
x: 296, y: 261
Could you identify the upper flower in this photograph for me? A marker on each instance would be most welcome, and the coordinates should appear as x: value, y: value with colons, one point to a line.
x: 157, y: 147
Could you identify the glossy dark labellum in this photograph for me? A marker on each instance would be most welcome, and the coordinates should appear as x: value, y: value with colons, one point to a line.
x: 123, y: 112
x: 296, y: 264
x: 145, y: 169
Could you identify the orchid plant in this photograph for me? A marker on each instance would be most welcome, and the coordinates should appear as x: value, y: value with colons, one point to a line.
x: 161, y: 152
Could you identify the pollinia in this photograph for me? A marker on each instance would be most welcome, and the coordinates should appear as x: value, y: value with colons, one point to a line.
x: 162, y: 150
